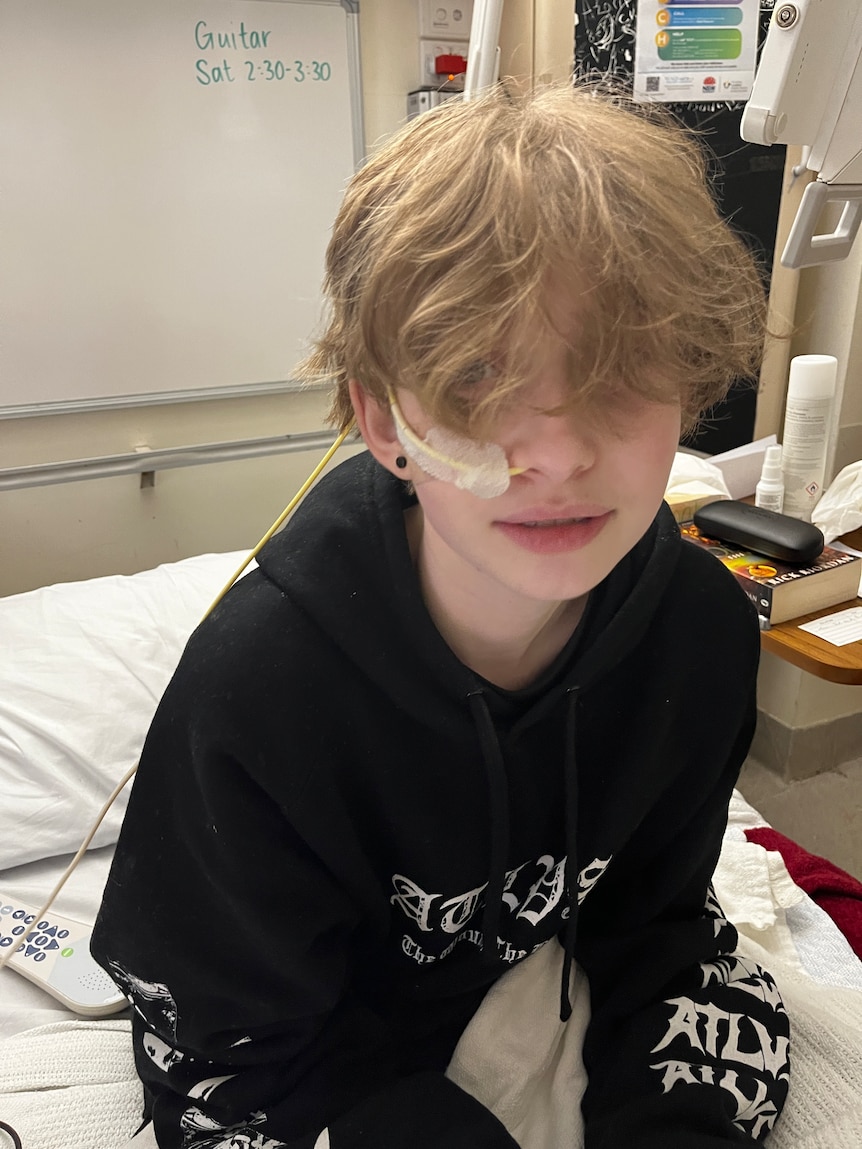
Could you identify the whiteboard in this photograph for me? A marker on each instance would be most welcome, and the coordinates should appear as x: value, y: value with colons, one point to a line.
x: 169, y: 174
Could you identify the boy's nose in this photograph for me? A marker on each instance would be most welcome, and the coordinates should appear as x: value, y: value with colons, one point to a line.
x: 557, y: 446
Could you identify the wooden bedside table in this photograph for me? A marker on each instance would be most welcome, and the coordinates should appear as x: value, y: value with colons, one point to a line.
x: 834, y: 663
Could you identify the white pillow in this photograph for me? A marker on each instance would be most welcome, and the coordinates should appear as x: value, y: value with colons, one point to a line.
x: 82, y: 668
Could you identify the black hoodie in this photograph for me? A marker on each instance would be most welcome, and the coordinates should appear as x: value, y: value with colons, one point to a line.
x: 340, y: 837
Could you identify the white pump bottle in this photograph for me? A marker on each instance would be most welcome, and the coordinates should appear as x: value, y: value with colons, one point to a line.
x: 769, y: 492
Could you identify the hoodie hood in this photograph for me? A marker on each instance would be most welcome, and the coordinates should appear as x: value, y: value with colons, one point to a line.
x: 329, y: 558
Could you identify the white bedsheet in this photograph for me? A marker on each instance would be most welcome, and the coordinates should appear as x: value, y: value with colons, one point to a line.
x: 69, y: 1083
x: 22, y: 1004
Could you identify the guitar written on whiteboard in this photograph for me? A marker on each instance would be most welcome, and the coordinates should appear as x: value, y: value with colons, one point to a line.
x: 243, y: 40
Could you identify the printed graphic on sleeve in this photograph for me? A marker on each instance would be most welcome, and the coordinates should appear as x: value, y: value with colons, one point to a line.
x: 151, y: 999
x: 155, y: 1003
x: 195, y: 1124
x: 159, y: 1052
x: 731, y: 1048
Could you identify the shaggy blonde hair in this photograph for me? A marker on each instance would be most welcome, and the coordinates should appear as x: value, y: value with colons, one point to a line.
x: 454, y: 238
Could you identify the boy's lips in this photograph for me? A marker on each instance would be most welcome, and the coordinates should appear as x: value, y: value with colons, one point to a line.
x: 550, y: 531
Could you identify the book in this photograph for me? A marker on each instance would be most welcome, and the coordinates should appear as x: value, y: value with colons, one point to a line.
x: 780, y: 590
x: 684, y: 504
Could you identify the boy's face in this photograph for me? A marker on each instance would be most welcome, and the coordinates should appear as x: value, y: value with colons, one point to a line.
x: 590, y: 488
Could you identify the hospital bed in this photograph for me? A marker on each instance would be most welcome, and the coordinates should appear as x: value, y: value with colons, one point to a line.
x: 82, y: 668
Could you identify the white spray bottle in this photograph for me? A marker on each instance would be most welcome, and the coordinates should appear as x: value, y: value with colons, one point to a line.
x: 807, y: 427
x: 769, y: 492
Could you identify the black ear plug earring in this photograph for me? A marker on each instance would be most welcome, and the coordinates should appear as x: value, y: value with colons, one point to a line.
x: 400, y: 462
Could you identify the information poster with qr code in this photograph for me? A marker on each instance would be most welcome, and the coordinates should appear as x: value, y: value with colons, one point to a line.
x: 695, y: 50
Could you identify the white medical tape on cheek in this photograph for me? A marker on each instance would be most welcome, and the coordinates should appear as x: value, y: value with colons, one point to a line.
x: 480, y: 468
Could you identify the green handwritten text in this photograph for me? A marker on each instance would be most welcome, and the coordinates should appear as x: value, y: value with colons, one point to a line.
x: 244, y: 38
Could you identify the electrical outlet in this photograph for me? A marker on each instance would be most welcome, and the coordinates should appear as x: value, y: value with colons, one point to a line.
x: 429, y: 50
x: 446, y: 19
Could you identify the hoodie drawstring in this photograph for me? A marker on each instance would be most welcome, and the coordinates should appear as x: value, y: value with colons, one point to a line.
x: 498, y: 790
x: 570, y: 783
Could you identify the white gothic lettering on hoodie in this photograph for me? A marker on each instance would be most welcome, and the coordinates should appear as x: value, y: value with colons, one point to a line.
x: 733, y: 1037
x: 745, y: 975
x: 754, y: 1115
x: 729, y: 1038
x: 432, y: 912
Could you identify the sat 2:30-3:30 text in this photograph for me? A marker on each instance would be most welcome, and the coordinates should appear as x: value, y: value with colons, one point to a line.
x: 317, y: 70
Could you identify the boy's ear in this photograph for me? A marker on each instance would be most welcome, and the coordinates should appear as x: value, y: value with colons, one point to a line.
x: 377, y: 427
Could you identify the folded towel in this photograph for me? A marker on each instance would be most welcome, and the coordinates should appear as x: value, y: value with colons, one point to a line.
x: 832, y: 888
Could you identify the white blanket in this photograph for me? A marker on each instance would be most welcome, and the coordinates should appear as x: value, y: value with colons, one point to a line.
x: 523, y: 1064
x: 71, y: 1084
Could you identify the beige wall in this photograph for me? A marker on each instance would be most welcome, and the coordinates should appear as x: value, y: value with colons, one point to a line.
x: 537, y: 41
x: 797, y: 698
x: 389, y: 35
x: 112, y: 526
x: 78, y: 530
x: 104, y: 526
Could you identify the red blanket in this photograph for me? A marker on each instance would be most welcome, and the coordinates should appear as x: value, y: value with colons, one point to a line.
x: 833, y: 889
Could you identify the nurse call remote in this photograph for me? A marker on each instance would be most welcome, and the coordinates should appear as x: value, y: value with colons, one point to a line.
x: 54, y: 953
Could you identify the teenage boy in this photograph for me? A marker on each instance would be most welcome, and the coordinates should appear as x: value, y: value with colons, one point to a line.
x: 479, y: 697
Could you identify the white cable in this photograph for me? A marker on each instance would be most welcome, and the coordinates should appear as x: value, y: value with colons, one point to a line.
x: 118, y: 789
x: 67, y: 873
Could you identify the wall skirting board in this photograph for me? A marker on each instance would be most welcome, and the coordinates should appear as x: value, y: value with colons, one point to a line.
x: 804, y: 751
